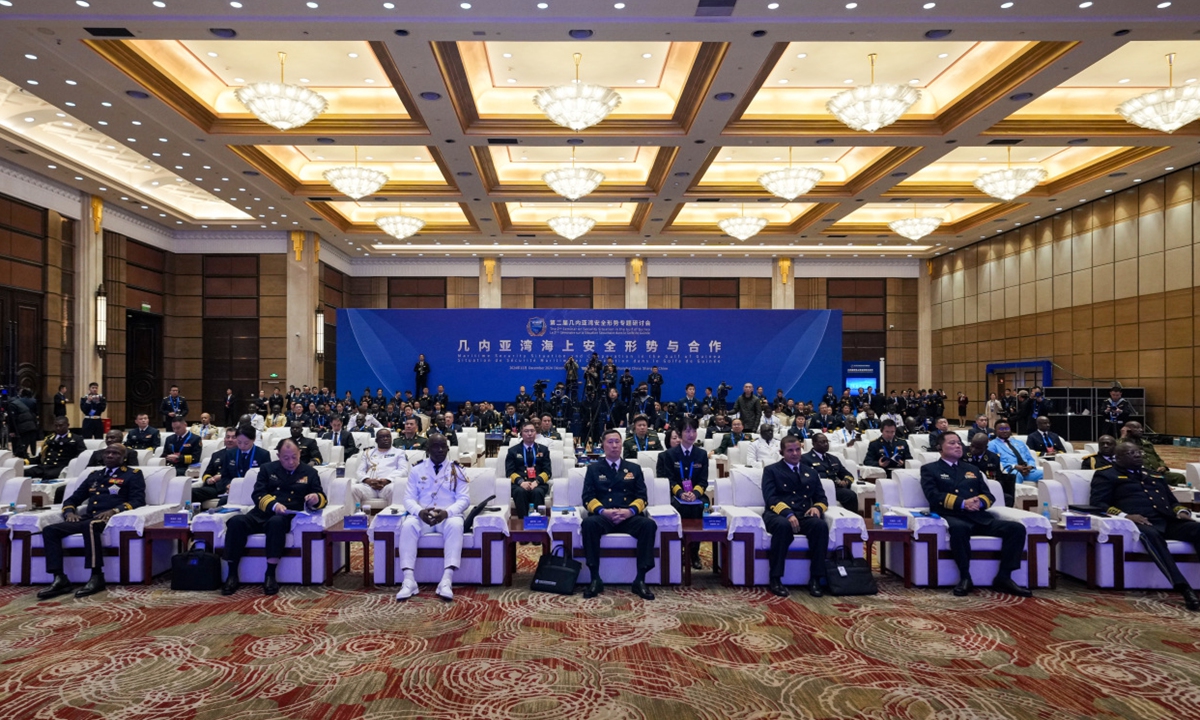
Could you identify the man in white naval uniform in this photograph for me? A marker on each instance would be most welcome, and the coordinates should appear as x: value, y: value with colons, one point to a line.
x: 765, y: 448
x: 380, y: 469
x: 436, y: 499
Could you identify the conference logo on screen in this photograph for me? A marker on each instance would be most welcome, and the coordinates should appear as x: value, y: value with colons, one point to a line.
x: 536, y: 327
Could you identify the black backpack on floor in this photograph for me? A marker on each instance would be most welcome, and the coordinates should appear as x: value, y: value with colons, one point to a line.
x: 196, y: 569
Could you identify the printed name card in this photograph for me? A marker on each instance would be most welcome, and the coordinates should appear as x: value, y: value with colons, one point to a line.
x: 1078, y: 522
x: 175, y: 520
x: 355, y: 522
x: 895, y: 522
x: 715, y: 522
x: 537, y: 522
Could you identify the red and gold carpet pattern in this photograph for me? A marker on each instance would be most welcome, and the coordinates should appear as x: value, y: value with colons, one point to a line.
x: 137, y: 653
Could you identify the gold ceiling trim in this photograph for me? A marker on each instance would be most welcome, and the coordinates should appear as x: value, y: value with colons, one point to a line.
x: 256, y: 158
x: 655, y: 180
x: 128, y: 60
x: 1075, y: 127
x: 699, y: 80
x: 1075, y: 178
x: 635, y: 225
x: 859, y: 182
x: 968, y: 223
x: 802, y: 222
x: 987, y: 92
x: 344, y: 225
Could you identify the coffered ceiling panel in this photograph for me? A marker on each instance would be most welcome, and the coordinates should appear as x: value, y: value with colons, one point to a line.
x: 411, y: 170
x: 957, y: 217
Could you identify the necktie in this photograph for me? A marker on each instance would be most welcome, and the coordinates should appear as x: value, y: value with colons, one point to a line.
x: 615, y: 466
x: 1046, y: 441
x: 437, y: 468
x: 1013, y: 448
x: 528, y: 456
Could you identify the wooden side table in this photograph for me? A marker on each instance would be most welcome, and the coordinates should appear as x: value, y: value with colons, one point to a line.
x: 340, y: 533
x: 1062, y: 535
x: 518, y: 534
x: 693, y: 531
x: 883, y: 537
x: 153, y: 533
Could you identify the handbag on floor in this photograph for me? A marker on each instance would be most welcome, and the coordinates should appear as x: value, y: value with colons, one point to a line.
x: 851, y: 576
x: 556, y: 573
x: 196, y: 569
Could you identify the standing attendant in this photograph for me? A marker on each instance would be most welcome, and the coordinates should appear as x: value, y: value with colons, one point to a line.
x: 231, y: 413
x: 1116, y: 412
x: 655, y: 383
x: 92, y: 407
x: 173, y: 406
x: 422, y: 372
x: 61, y: 401
x: 963, y: 401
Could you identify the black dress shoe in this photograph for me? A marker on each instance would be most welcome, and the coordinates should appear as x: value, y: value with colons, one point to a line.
x: 595, y: 588
x: 1011, y: 588
x: 777, y: 588
x: 964, y: 587
x: 270, y: 585
x: 639, y: 588
x: 94, y: 585
x: 696, y: 563
x: 60, y: 586
x: 1190, y: 601
x: 231, y: 585
x: 814, y: 588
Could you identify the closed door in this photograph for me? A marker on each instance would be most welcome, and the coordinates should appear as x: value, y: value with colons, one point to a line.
x: 143, y: 366
x: 21, y: 340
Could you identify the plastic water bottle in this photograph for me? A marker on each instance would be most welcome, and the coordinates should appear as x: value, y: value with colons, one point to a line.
x: 707, y: 508
x: 358, y: 508
x: 191, y: 511
x: 532, y: 510
x: 1046, y: 510
x: 877, y: 517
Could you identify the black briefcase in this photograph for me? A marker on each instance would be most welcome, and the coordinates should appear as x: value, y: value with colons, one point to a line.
x: 850, y: 577
x: 556, y: 574
x: 196, y: 569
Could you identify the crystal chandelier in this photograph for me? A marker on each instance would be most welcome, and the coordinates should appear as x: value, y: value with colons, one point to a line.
x: 870, y: 107
x: 1010, y: 182
x: 579, y: 105
x: 571, y: 226
x: 400, y: 226
x: 280, y: 105
x: 1165, y: 110
x: 742, y: 227
x: 573, y: 182
x: 354, y: 181
x: 790, y: 182
x: 915, y: 228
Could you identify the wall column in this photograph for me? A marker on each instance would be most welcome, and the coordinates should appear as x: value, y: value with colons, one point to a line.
x: 489, y: 283
x: 924, y: 329
x: 783, y: 285
x: 303, y: 295
x: 637, y: 285
x: 89, y: 273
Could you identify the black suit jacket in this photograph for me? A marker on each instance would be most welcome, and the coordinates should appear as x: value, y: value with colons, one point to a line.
x: 677, y: 470
x: 786, y: 492
x: 1036, y: 442
x: 346, y: 440
x: 946, y: 488
x: 515, y: 464
x: 605, y: 488
x: 1132, y: 492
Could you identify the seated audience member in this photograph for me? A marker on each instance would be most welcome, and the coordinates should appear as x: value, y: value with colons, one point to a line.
x: 941, y: 427
x: 1043, y: 441
x: 546, y: 429
x: 1132, y: 491
x: 106, y: 491
x: 444, y: 424
x: 276, y: 418
x: 410, y: 439
x: 765, y: 449
x: 182, y: 448
x: 823, y: 421
x: 830, y: 467
x: 527, y: 465
x: 142, y: 436
x: 310, y: 453
x: 719, y: 424
x: 381, y: 469
x: 234, y: 461
x: 340, y: 437
x: 614, y: 492
x: 977, y: 454
x: 846, y: 435
x: 212, y: 472
x: 670, y: 440
x: 686, y: 469
x: 959, y: 493
x: 1015, y: 458
x: 795, y: 505
x: 112, y: 437
x: 980, y: 427
x: 283, y: 485
x: 642, y: 439
x: 436, y: 500
x: 1150, y: 459
x: 888, y: 452
x: 869, y: 421
x: 1105, y: 456
x: 735, y: 436
x: 799, y: 427
x: 204, y: 429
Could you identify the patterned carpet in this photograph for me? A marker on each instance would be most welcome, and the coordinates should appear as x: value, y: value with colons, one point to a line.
x: 138, y: 653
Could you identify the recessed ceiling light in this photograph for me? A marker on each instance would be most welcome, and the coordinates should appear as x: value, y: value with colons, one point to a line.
x: 619, y: 6
x: 52, y: 167
x: 368, y: 81
x: 69, y: 104
x: 465, y: 6
x: 801, y: 56
x: 943, y: 56
x: 512, y: 80
x: 389, y: 6
x: 106, y: 104
x: 643, y: 82
x: 1085, y: 5
x: 848, y: 81
x: 159, y: 4
x: 772, y: 6
x: 542, y: 6
x: 71, y: 82
x: 851, y: 6
x: 1122, y: 81
x: 312, y: 5
x: 6, y: 3
x: 1003, y: 6
x: 929, y: 6
x: 1164, y: 5
x: 1170, y: 168
x: 240, y: 80
x: 352, y: 55
x: 914, y: 81
x: 28, y: 119
x: 136, y: 122
x: 29, y: 56
x: 83, y: 3
x: 32, y: 82
x: 235, y: 4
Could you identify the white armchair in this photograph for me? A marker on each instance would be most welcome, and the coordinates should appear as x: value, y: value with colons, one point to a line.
x: 618, y: 551
x: 740, y: 498
x: 483, y: 547
x: 934, y: 566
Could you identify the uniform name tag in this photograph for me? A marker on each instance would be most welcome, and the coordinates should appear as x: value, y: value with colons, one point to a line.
x: 175, y: 520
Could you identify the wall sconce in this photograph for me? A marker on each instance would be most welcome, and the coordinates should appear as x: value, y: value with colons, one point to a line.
x: 320, y: 317
x: 101, y: 321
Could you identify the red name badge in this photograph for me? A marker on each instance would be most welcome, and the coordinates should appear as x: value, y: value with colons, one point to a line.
x: 529, y: 473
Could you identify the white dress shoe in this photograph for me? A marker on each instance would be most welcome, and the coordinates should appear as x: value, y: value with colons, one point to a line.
x: 407, y: 589
x: 444, y: 591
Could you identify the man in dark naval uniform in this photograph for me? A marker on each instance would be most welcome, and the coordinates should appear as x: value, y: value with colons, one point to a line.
x: 281, y: 486
x: 173, y: 406
x: 1106, y: 451
x: 107, y: 492
x: 959, y: 493
x: 233, y: 461
x: 828, y: 466
x: 142, y: 436
x: 614, y: 493
x: 113, y: 437
x: 887, y: 452
x: 1142, y: 495
x: 795, y: 505
x: 58, y: 450
x: 183, y: 448
x: 310, y: 454
x: 528, y: 467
